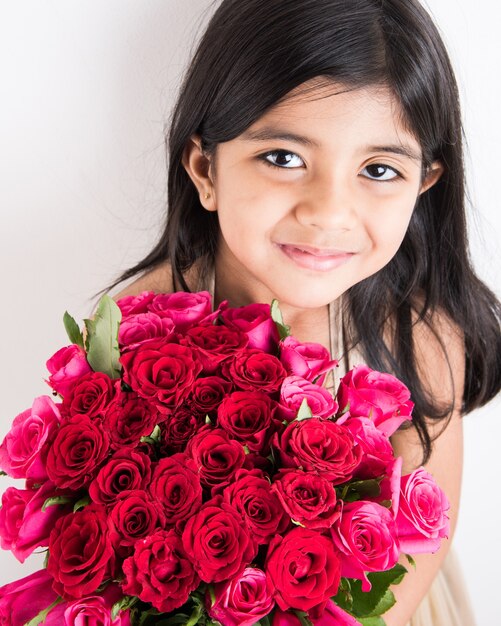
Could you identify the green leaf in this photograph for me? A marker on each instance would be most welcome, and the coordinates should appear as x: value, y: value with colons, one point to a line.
x: 40, y: 618
x: 102, y: 338
x: 372, y: 621
x: 82, y: 503
x: 154, y: 437
x: 304, y: 411
x: 379, y: 599
x: 411, y: 560
x: 2, y: 473
x: 123, y: 604
x: 362, y: 490
x: 303, y: 618
x: 73, y: 330
x: 56, y: 500
x: 276, y: 315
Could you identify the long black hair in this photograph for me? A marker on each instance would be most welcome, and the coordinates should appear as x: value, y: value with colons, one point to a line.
x: 252, y: 54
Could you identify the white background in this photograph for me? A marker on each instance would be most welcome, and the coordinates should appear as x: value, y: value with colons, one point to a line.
x: 85, y: 90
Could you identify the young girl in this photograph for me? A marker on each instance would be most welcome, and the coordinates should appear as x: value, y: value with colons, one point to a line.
x: 315, y: 156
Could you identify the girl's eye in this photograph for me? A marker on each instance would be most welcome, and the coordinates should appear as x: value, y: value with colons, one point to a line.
x: 377, y: 171
x: 282, y: 159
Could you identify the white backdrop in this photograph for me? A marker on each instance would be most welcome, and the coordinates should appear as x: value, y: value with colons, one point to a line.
x: 85, y: 89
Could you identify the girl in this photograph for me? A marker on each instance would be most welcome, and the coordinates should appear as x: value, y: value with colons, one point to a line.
x: 315, y: 157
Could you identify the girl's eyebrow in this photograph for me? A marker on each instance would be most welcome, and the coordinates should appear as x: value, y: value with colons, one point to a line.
x: 267, y: 133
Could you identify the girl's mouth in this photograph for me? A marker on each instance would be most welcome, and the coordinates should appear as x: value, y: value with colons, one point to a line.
x: 318, y: 259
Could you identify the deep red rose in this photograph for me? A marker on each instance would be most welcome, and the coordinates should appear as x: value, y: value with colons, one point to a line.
x: 160, y: 572
x: 216, y: 456
x: 248, y: 417
x: 161, y: 371
x: 89, y: 396
x: 79, y: 448
x: 251, y: 369
x: 131, y: 305
x: 134, y: 516
x: 309, y: 499
x: 303, y: 569
x: 256, y: 322
x: 252, y: 497
x: 128, y: 418
x: 178, y: 428
x: 176, y: 486
x: 320, y: 446
x: 217, y: 542
x: 80, y: 552
x: 127, y: 469
x: 207, y: 394
x: 214, y: 344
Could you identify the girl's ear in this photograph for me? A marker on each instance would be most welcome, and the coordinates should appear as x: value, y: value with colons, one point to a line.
x: 198, y: 166
x: 432, y: 176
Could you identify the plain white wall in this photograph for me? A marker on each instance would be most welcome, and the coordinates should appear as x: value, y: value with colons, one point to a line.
x: 85, y: 90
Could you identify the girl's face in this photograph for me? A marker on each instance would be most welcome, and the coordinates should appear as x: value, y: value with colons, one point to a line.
x: 312, y: 198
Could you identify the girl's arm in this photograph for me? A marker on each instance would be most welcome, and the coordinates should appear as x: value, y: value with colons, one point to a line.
x: 446, y: 460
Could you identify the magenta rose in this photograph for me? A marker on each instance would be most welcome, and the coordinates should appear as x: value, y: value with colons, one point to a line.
x: 303, y: 569
x: 380, y: 396
x: 132, y: 305
x: 177, y: 429
x: 216, y: 456
x: 333, y: 615
x: 307, y: 360
x: 23, y: 525
x: 251, y: 496
x: 422, y: 520
x: 217, y: 542
x: 24, y: 449
x: 243, y: 600
x: 142, y: 327
x: 126, y: 470
x: 96, y: 610
x: 321, y: 446
x: 23, y: 600
x: 309, y: 499
x: 248, y: 417
x: 90, y: 395
x: 207, y: 394
x: 161, y: 372
x: 256, y: 322
x: 160, y: 572
x: 214, y: 344
x: 80, y: 552
x: 183, y: 308
x: 176, y: 487
x: 128, y: 418
x: 296, y: 389
x: 366, y: 538
x: 79, y: 448
x: 66, y: 366
x: 253, y: 370
x: 377, y: 451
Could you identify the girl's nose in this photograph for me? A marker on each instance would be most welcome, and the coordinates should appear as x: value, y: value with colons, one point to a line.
x: 328, y: 204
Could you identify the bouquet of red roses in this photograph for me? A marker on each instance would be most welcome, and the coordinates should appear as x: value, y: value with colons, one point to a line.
x: 193, y: 470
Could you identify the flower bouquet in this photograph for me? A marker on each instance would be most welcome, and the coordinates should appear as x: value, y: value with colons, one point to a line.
x: 193, y: 469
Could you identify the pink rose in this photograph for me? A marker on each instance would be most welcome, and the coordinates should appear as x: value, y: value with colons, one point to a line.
x: 308, y: 360
x: 256, y: 322
x: 23, y: 525
x: 366, y: 538
x: 380, y: 396
x: 131, y: 305
x: 295, y: 389
x: 23, y: 451
x: 422, y: 519
x: 242, y: 601
x: 184, y: 309
x: 66, y: 366
x: 96, y: 610
x: 375, y: 445
x: 142, y: 327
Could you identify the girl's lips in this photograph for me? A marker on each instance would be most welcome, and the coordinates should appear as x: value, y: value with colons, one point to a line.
x: 315, y: 258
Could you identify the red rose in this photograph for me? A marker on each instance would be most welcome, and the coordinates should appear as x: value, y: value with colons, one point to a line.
x: 142, y: 327
x: 217, y: 542
x: 161, y: 371
x: 247, y: 416
x: 252, y: 369
x: 207, y: 394
x: 133, y: 516
x: 177, y: 429
x: 90, y: 395
x: 320, y: 446
x: 216, y: 456
x: 80, y: 552
x: 303, y: 569
x: 78, y: 449
x: 309, y: 499
x: 214, y: 344
x: 183, y: 308
x: 256, y: 322
x: 251, y: 496
x: 176, y: 486
x: 160, y: 572
x: 127, y: 469
x: 128, y: 418
x: 380, y: 396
